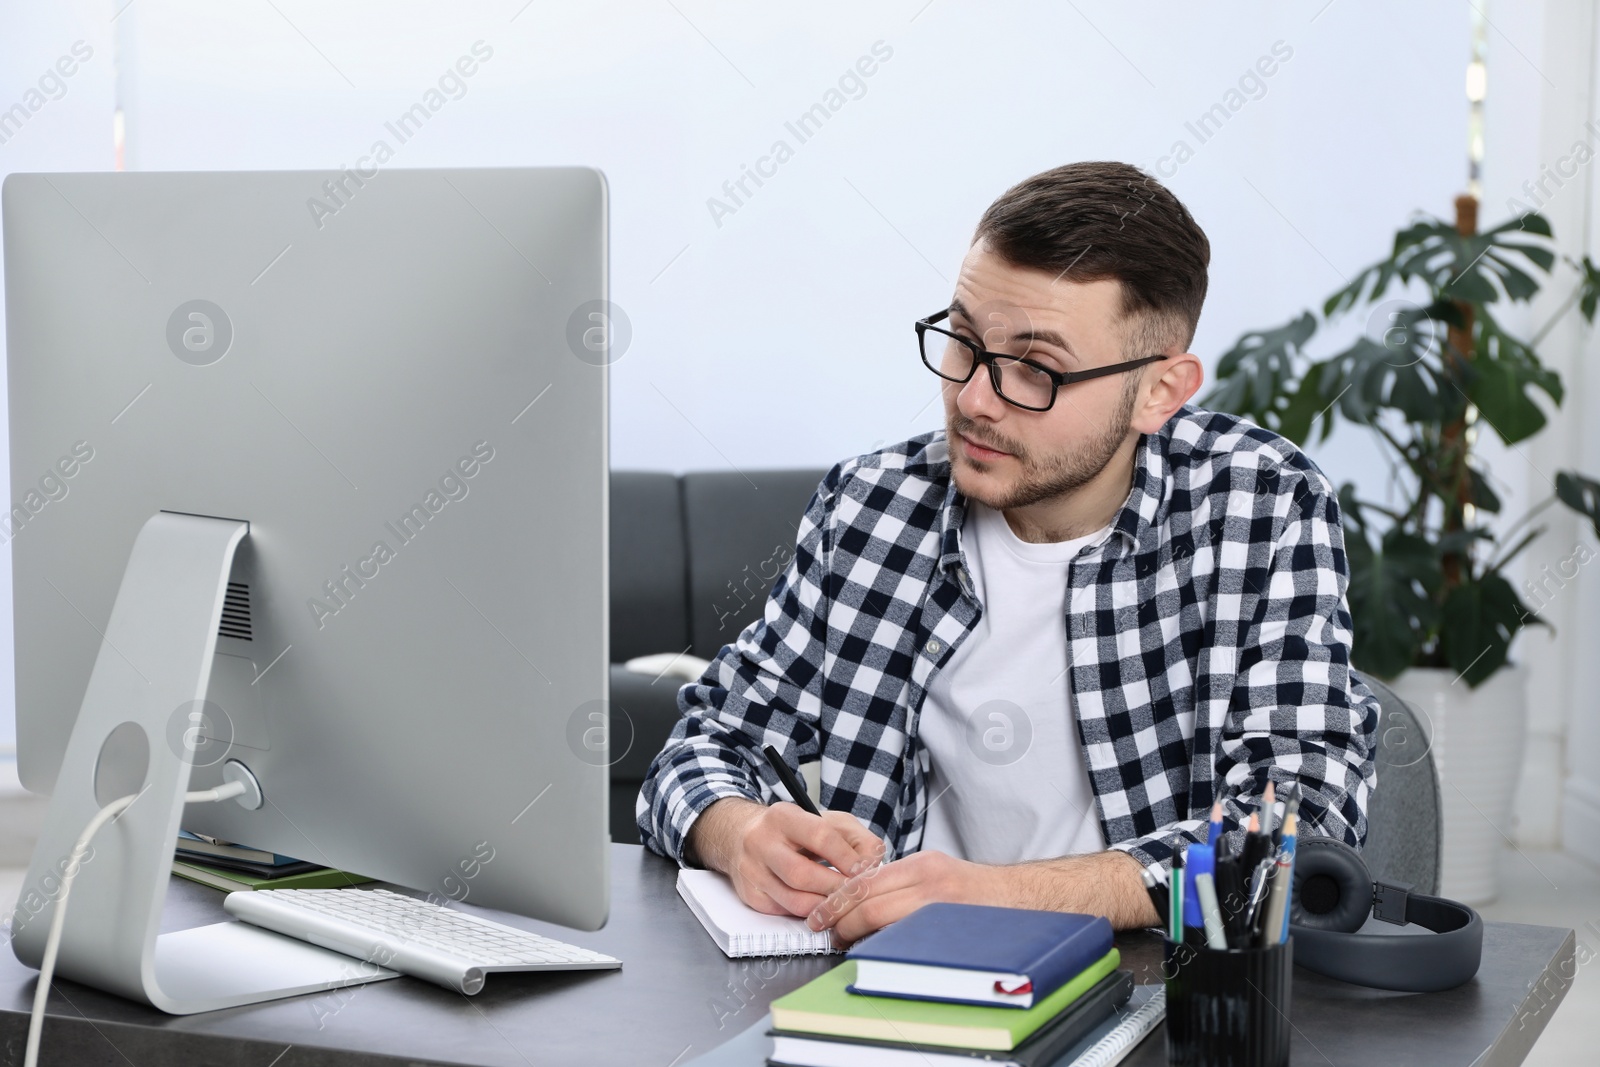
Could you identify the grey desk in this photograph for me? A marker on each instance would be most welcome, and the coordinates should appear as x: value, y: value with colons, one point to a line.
x: 677, y: 998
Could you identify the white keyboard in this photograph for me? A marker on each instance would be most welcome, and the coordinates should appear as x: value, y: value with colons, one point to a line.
x: 415, y: 937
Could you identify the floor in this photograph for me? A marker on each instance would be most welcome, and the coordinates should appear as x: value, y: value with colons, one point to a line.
x: 1557, y: 889
x: 1546, y: 888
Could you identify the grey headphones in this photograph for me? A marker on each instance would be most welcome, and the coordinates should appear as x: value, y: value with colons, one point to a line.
x: 1334, y: 894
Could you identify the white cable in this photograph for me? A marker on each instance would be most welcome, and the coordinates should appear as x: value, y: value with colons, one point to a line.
x: 222, y: 792
x: 52, y: 944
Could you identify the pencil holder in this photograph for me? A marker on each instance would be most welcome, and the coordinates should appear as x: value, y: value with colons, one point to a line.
x: 1227, y: 1007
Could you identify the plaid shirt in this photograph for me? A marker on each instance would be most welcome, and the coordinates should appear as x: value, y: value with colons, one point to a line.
x: 1208, y: 637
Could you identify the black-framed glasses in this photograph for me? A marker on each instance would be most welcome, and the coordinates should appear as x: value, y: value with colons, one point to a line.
x: 1017, y: 380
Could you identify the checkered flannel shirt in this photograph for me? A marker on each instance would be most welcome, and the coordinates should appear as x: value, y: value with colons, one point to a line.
x: 1208, y: 637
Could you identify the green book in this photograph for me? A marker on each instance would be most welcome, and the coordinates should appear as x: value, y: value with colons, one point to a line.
x: 825, y: 1006
x: 231, y: 881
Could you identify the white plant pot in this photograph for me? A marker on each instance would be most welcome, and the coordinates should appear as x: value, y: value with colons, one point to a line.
x: 1476, y: 737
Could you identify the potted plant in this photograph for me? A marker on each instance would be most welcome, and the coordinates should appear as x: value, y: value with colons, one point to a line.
x: 1433, y: 611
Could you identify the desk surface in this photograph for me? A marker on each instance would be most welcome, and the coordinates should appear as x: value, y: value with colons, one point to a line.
x: 677, y: 997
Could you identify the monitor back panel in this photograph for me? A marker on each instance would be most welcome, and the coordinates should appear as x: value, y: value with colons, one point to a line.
x: 397, y: 383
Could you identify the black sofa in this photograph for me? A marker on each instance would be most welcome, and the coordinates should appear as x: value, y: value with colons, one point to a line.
x: 692, y: 559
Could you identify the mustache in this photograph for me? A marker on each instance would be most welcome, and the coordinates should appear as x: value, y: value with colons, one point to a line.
x: 965, y: 428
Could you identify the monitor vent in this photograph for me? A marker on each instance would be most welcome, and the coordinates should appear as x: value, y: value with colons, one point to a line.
x: 236, y: 612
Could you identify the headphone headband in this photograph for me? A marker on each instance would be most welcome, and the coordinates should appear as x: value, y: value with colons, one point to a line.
x: 1405, y: 962
x: 1326, y: 942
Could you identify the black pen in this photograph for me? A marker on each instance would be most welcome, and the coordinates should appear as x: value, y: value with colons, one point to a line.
x: 797, y: 792
x: 1158, y: 896
x: 1256, y: 845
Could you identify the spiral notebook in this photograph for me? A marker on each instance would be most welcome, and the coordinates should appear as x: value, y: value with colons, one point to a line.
x: 1111, y: 1042
x: 740, y: 930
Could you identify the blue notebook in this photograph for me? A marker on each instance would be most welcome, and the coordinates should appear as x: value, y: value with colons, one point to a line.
x: 975, y: 954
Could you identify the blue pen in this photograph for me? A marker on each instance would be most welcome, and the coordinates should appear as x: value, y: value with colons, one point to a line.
x: 1201, y: 860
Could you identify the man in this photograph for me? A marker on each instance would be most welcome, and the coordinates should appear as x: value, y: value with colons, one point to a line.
x: 1031, y: 649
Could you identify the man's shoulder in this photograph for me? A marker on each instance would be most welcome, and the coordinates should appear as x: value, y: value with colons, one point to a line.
x: 907, y: 474
x: 1211, y: 449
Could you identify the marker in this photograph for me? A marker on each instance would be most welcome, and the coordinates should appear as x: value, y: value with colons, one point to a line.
x: 1226, y: 882
x: 1200, y: 861
x: 1210, y: 910
x: 1175, y: 891
x: 1231, y: 897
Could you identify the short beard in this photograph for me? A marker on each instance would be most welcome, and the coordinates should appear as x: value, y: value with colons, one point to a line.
x: 1062, y: 474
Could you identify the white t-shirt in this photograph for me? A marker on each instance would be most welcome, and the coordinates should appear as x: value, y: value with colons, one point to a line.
x: 1008, y: 781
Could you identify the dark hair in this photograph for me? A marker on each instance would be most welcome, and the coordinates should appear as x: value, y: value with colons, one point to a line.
x: 1094, y: 220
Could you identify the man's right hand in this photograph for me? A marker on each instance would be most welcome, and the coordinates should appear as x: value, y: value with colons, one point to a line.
x: 770, y: 852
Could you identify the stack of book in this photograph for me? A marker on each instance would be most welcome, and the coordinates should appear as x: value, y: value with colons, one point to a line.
x: 955, y: 984
x: 229, y: 867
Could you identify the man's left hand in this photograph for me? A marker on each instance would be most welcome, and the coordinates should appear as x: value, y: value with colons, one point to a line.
x: 886, y: 894
x: 1096, y: 883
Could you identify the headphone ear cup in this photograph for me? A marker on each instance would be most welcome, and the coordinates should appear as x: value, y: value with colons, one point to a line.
x: 1332, y: 889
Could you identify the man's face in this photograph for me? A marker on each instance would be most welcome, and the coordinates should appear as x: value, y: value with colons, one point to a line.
x: 1008, y: 457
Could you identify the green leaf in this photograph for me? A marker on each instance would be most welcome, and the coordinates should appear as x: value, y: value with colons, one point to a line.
x: 1414, y: 392
x: 1479, y: 493
x: 1502, y: 371
x: 1519, y: 284
x: 1256, y: 377
x: 1368, y: 377
x: 1476, y: 268
x: 1390, y: 602
x: 1378, y: 274
x: 1590, y: 288
x: 1417, y: 561
x: 1305, y: 404
x: 1354, y: 516
x: 1531, y: 222
x: 1447, y: 312
x: 1498, y: 392
x: 1581, y: 494
x: 1461, y: 541
x: 1472, y: 285
x: 1479, y: 620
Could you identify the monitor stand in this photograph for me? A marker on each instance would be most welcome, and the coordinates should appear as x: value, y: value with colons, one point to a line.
x: 153, y: 664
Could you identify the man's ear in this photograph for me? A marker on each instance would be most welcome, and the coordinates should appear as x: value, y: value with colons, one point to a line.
x: 1168, y: 386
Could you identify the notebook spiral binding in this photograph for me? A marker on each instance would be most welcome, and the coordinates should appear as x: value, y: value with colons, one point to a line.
x: 1133, y: 1029
x: 814, y: 944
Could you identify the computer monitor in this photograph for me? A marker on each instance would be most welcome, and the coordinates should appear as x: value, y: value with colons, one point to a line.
x: 393, y: 383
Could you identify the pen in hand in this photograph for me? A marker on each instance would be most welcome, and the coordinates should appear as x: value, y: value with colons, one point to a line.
x: 797, y: 792
x: 854, y: 888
